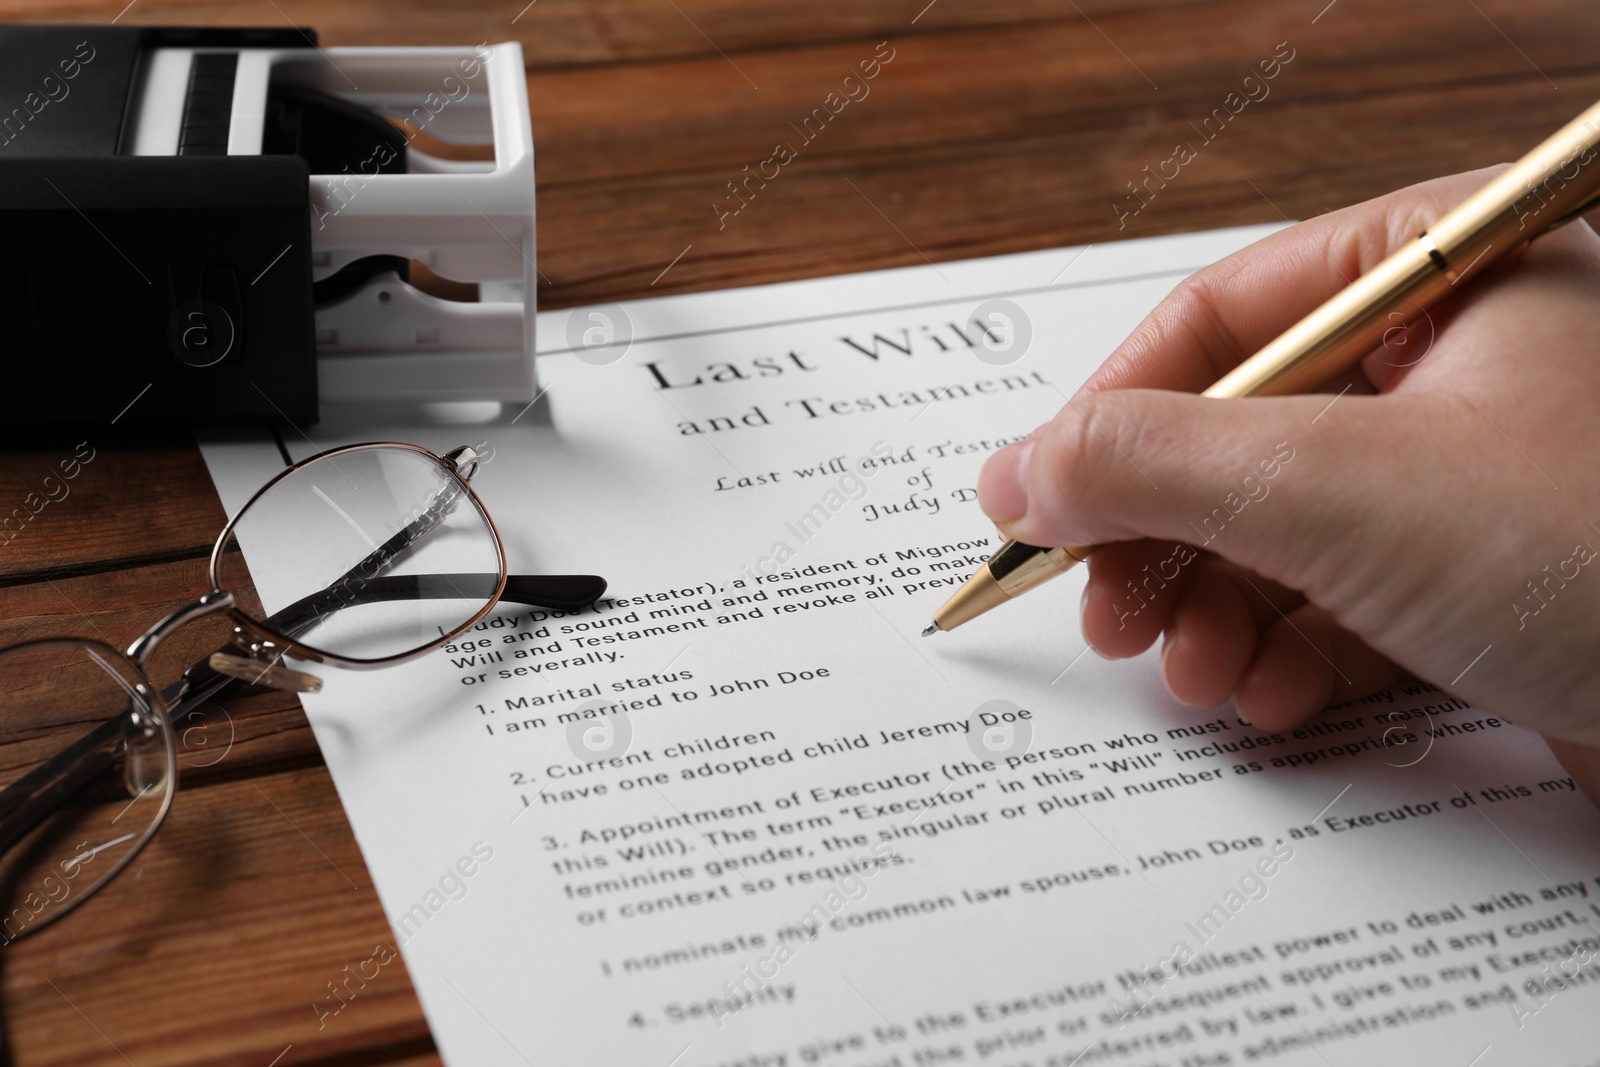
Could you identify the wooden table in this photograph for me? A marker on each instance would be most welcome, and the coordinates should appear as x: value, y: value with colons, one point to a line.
x: 997, y: 126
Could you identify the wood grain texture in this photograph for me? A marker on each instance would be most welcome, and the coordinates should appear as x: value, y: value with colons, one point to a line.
x: 125, y: 504
x: 564, y: 33
x: 256, y: 731
x: 1006, y: 139
x: 218, y: 945
x: 995, y: 127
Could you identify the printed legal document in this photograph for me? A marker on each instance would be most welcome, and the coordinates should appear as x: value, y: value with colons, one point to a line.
x: 739, y: 814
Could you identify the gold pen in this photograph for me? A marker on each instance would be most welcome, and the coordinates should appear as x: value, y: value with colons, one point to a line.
x: 1556, y: 182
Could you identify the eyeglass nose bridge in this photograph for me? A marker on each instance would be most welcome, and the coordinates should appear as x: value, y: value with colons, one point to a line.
x: 251, y: 658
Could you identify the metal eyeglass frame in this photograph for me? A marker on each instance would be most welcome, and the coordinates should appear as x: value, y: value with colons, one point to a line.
x: 258, y: 646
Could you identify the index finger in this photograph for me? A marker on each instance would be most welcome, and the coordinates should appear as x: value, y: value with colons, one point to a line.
x: 1218, y: 317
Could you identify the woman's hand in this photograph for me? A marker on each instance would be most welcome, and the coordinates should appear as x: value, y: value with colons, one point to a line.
x: 1436, y: 511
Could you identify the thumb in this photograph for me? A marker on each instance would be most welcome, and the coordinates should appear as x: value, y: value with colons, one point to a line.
x: 1580, y: 761
x: 1269, y: 483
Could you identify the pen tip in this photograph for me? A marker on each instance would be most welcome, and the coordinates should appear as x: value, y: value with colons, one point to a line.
x: 932, y: 629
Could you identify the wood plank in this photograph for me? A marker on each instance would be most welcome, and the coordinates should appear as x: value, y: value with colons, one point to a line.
x: 125, y: 502
x: 219, y: 943
x: 566, y: 33
x: 264, y: 730
x: 962, y: 90
x: 560, y: 33
x: 428, y: 1059
x: 942, y: 201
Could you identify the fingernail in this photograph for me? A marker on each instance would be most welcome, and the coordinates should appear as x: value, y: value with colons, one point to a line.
x: 1166, y: 674
x: 1003, y: 485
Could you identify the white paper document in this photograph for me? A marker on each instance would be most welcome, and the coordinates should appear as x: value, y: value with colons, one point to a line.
x: 741, y: 814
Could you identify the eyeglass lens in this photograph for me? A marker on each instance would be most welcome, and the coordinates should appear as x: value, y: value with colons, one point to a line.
x: 366, y: 554
x: 104, y: 795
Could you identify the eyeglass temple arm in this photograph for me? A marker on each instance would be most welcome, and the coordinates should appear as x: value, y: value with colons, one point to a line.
x: 561, y: 592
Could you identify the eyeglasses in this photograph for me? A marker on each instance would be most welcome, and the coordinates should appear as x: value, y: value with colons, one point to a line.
x: 372, y: 555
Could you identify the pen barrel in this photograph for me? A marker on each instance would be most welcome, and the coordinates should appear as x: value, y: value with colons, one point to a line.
x: 1018, y: 567
x: 1338, y: 334
x: 1543, y: 189
x: 1548, y: 186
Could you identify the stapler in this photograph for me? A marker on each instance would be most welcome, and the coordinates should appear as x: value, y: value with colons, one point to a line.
x: 213, y: 225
